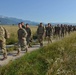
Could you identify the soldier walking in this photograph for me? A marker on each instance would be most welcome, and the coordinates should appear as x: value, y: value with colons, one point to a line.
x: 40, y: 34
x: 22, y: 34
x: 62, y: 30
x: 3, y: 37
x: 28, y: 38
x: 57, y: 31
x: 49, y: 32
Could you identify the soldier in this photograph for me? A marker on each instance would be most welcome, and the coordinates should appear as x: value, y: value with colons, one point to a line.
x: 69, y: 29
x: 28, y: 38
x: 49, y: 32
x: 66, y: 29
x: 45, y: 31
x: 57, y: 31
x: 40, y: 34
x: 3, y: 42
x: 22, y: 34
x: 62, y: 30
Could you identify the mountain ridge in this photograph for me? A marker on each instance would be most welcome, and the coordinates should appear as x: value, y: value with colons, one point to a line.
x: 14, y: 21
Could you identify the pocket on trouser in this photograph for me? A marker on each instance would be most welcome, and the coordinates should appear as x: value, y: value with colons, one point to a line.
x: 24, y: 45
x: 4, y: 48
x: 1, y: 44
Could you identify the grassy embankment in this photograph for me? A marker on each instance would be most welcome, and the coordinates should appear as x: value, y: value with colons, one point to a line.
x: 58, y: 58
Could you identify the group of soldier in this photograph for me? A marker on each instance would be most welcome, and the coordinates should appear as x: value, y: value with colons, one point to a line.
x: 24, y: 35
x: 58, y: 31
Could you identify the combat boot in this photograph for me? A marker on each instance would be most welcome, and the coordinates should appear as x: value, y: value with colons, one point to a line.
x: 4, y: 56
x: 26, y: 49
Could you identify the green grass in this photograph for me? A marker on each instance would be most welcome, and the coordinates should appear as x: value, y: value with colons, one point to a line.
x: 58, y: 58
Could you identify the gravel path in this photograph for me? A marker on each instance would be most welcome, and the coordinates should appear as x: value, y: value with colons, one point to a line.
x: 12, y: 55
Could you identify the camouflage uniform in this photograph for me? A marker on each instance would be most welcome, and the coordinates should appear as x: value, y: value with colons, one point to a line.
x: 22, y: 34
x: 57, y: 31
x: 40, y: 33
x: 3, y: 42
x: 28, y: 36
x: 69, y: 29
x: 49, y: 33
x: 66, y: 29
x: 62, y: 30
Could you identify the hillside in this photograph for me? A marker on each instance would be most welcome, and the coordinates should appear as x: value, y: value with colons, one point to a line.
x: 58, y: 58
x: 10, y: 20
x: 14, y: 21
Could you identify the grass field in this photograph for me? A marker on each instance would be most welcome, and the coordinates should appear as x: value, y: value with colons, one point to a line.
x: 58, y: 58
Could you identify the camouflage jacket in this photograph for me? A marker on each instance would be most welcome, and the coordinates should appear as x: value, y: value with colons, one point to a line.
x: 2, y: 33
x: 40, y: 30
x: 22, y: 33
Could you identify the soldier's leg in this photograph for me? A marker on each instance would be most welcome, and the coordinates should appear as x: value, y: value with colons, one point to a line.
x: 3, y: 47
x: 48, y: 39
x: 18, y: 47
x: 28, y: 41
x: 24, y: 45
x: 39, y: 38
x: 41, y: 41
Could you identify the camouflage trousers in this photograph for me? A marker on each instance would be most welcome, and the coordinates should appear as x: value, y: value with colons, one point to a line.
x: 49, y: 39
x: 40, y: 39
x: 29, y: 40
x: 3, y: 47
x: 22, y: 44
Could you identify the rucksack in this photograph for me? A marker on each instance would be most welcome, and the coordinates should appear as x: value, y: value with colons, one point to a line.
x: 6, y: 34
x: 2, y: 33
x: 40, y: 30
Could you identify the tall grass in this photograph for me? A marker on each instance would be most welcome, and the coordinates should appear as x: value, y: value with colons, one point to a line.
x: 58, y: 58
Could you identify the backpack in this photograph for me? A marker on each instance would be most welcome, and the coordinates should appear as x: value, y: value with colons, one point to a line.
x: 40, y: 30
x: 6, y: 34
x: 1, y: 33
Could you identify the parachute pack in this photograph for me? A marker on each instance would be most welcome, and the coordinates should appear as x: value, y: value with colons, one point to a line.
x: 3, y: 33
x: 6, y: 34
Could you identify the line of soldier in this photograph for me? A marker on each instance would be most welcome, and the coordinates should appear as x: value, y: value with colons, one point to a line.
x: 50, y: 31
x: 62, y: 30
x: 24, y: 35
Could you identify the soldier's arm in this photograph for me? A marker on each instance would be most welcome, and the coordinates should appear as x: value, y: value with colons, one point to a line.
x: 24, y: 33
x: 37, y: 30
x: 43, y: 30
x: 30, y: 31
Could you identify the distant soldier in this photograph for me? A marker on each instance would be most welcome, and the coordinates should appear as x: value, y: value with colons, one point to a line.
x: 40, y: 34
x: 3, y: 36
x: 74, y: 28
x: 45, y: 31
x: 66, y: 29
x: 57, y: 31
x: 49, y: 32
x: 62, y: 30
x: 28, y: 38
x: 22, y: 34
x: 69, y: 29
